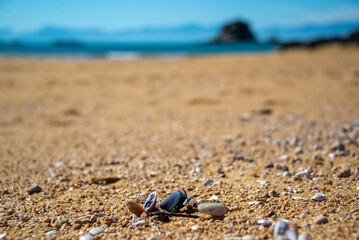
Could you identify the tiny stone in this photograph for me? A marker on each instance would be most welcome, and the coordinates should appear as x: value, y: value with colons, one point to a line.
x: 253, y: 203
x: 264, y: 222
x: 303, y: 237
x: 291, y: 234
x: 86, y: 237
x: 279, y: 228
x: 332, y: 156
x: 97, y: 230
x: 271, y: 165
x: 321, y: 220
x: 247, y: 237
x: 299, y: 198
x: 209, y: 181
x: 77, y: 226
x: 5, y: 191
x: 281, y: 166
x: 271, y: 213
x: 302, y: 216
x: 245, y: 116
x: 196, y: 228
x: 318, y: 197
x: 34, y: 189
x: 345, y: 173
x: 2, y: 235
x: 337, y: 146
x: 154, y: 237
x: 141, y: 223
x: 273, y: 193
x: 214, y: 197
x: 298, y: 150
x: 284, y: 157
x: 169, y: 234
x: 53, y: 232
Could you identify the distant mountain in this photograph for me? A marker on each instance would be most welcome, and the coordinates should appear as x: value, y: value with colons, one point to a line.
x: 185, y: 33
x: 308, y: 32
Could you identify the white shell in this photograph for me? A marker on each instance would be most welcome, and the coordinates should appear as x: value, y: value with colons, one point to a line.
x: 318, y: 197
x: 264, y: 222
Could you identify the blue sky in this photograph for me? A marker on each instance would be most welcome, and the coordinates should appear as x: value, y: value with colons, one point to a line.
x: 28, y: 15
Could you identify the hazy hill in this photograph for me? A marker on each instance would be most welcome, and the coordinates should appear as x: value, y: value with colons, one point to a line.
x: 185, y: 33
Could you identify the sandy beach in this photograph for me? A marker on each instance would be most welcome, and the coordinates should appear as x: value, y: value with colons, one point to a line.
x: 271, y: 130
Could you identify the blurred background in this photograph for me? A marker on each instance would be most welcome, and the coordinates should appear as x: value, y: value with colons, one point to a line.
x: 133, y: 29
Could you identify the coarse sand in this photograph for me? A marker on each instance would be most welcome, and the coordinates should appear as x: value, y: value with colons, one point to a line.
x: 78, y: 138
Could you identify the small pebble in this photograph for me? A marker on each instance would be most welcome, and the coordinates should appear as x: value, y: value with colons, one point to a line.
x: 154, y: 237
x: 198, y: 170
x: 214, y: 209
x: 271, y: 165
x: 2, y: 235
x: 318, y: 197
x: 337, y: 146
x: 273, y: 193
x: 53, y: 232
x: 264, y: 222
x: 284, y: 157
x: 169, y: 234
x: 332, y: 156
x: 86, y: 237
x: 345, y: 173
x: 253, y: 203
x: 247, y: 237
x: 321, y: 220
x: 299, y: 198
x: 196, y: 228
x: 271, y: 213
x: 209, y: 181
x: 34, y: 189
x: 279, y: 228
x: 298, y: 150
x: 291, y: 234
x: 141, y: 223
x: 303, y: 237
x: 214, y: 197
x: 302, y: 216
x: 245, y: 116
x: 281, y: 166
x: 97, y: 230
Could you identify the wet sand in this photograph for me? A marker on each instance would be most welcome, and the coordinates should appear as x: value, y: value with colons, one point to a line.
x: 169, y: 125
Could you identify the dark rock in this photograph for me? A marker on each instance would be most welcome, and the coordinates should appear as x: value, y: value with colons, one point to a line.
x: 235, y: 32
x: 353, y: 38
x: 265, y: 111
x: 344, y: 174
x: 337, y: 146
x: 271, y: 165
x: 34, y: 189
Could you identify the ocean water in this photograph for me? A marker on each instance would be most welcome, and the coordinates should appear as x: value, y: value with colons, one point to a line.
x: 125, y: 51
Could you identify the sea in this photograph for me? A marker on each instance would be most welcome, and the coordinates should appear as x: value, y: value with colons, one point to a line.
x: 125, y: 50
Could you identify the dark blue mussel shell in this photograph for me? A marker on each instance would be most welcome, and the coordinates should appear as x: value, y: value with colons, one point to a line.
x: 150, y: 202
x: 175, y: 201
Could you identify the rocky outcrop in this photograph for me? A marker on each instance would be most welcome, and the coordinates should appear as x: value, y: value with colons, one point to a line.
x: 352, y: 39
x: 235, y: 32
